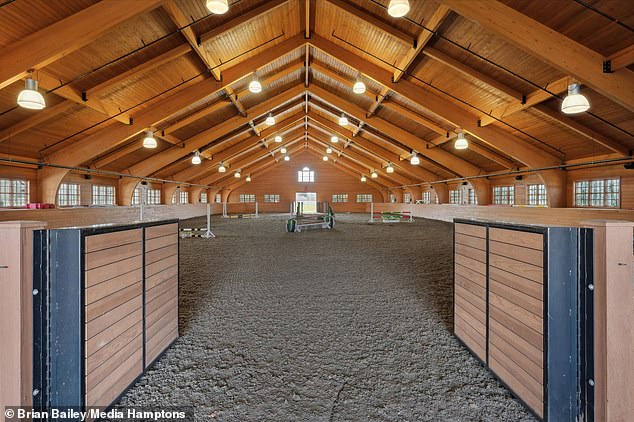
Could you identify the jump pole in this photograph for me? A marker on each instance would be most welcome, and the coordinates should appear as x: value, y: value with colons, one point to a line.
x: 208, y: 234
x: 256, y: 210
x: 371, y: 212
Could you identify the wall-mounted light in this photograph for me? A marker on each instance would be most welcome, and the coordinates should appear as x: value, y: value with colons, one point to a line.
x: 149, y: 141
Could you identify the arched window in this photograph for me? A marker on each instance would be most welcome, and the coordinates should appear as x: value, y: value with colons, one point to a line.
x: 306, y: 175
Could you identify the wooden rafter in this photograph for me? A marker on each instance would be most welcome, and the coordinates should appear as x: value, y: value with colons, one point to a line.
x: 35, y: 120
x: 43, y: 47
x: 552, y: 47
x: 621, y: 59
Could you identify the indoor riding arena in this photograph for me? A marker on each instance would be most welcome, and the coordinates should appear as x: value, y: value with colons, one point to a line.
x: 317, y: 210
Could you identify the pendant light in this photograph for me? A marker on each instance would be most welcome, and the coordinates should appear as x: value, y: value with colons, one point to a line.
x: 287, y: 158
x: 363, y: 179
x: 325, y: 158
x: 237, y: 174
x: 575, y: 102
x: 461, y: 142
x: 415, y: 160
x: 270, y: 120
x: 283, y: 150
x: 30, y: 97
x: 278, y: 139
x: 374, y: 175
x: 196, y: 158
x: 222, y: 168
x: 358, y: 87
x: 218, y: 7
x: 334, y: 139
x: 255, y: 86
x: 398, y: 8
x: 389, y: 168
x: 248, y: 179
x: 329, y: 150
x: 343, y: 120
x: 149, y: 141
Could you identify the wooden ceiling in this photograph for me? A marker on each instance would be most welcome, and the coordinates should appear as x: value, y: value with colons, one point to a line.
x: 496, y: 70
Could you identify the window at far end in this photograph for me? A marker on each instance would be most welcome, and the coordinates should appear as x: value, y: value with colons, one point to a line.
x: 306, y: 175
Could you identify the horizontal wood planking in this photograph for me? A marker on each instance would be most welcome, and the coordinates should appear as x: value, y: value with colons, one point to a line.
x: 469, y: 274
x: 156, y: 344
x: 473, y: 253
x: 110, y: 271
x: 472, y: 287
x: 471, y: 263
x: 162, y: 253
x: 100, y: 356
x: 517, y: 386
x: 472, y: 241
x: 516, y: 237
x: 113, y: 361
x: 536, y: 388
x: 103, y: 393
x: 161, y: 311
x: 534, y: 370
x: 470, y: 337
x: 155, y: 292
x: 470, y: 230
x: 109, y: 334
x: 524, y: 285
x: 160, y: 242
x: 529, y: 303
x: 519, y: 253
x: 161, y: 265
x: 535, y: 322
x: 477, y: 323
x: 158, y: 278
x: 519, y: 268
x: 160, y: 300
x: 109, y: 240
x: 169, y: 318
x: 162, y: 230
x: 464, y: 294
x: 116, y: 253
x: 535, y: 354
x: 518, y: 327
x: 102, y: 303
x: 99, y: 324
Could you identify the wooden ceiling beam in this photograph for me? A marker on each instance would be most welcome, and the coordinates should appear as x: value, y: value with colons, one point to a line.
x: 382, y: 95
x: 197, y: 115
x: 51, y: 82
x: 582, y: 130
x: 375, y: 21
x: 441, y: 106
x: 339, y: 78
x: 532, y: 99
x: 426, y: 34
x: 142, y: 67
x: 113, y: 156
x: 621, y: 59
x: 109, y: 137
x: 241, y: 19
x: 41, y: 48
x: 550, y: 46
x: 203, y: 138
x: 35, y: 119
x: 460, y: 67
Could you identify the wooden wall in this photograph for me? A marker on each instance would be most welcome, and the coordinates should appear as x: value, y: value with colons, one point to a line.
x: 71, y: 217
x: 328, y: 181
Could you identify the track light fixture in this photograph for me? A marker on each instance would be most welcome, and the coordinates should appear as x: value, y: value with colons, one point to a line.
x: 575, y: 102
x: 255, y: 86
x: 398, y: 8
x: 30, y: 97
x: 270, y: 120
x: 218, y: 7
x: 196, y: 158
x: 149, y: 141
x: 222, y: 168
x: 343, y: 120
x: 334, y: 139
x: 461, y: 142
x: 415, y: 160
x: 278, y: 139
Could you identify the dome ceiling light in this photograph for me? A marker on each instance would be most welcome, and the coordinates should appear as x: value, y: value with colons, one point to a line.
x: 30, y: 97
x: 218, y: 7
x: 575, y: 102
x: 398, y: 8
x: 149, y: 141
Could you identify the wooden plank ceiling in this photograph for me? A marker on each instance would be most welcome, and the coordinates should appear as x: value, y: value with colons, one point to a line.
x: 111, y: 70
